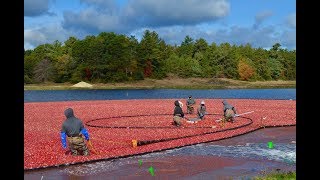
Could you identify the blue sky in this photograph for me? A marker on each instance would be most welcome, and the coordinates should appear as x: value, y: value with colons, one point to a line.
x: 261, y: 23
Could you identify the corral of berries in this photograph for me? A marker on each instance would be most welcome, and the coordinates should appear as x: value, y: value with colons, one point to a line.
x: 118, y: 122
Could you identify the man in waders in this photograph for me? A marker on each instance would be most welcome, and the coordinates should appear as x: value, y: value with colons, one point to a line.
x: 228, y: 112
x: 202, y: 110
x: 177, y: 114
x: 190, y: 103
x: 72, y: 130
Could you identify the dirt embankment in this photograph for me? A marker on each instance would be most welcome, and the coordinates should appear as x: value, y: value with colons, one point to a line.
x: 171, y: 83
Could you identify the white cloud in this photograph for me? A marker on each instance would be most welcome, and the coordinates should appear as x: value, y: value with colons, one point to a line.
x: 104, y: 3
x: 289, y: 39
x: 91, y: 21
x: 263, y: 15
x: 36, y: 7
x: 34, y: 37
x: 107, y: 16
x: 106, y: 6
x: 172, y: 20
x: 291, y: 20
x: 260, y: 17
x: 48, y: 34
x: 263, y: 37
x: 175, y: 12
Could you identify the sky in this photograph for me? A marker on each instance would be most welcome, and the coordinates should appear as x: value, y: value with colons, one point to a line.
x: 261, y: 23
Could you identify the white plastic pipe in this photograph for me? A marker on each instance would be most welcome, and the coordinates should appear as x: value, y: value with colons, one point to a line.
x: 243, y: 113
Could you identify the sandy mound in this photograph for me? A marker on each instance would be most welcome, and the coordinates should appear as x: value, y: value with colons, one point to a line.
x: 82, y: 84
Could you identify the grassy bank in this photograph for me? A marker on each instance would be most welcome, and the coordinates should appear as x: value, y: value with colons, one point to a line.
x: 172, y: 83
x: 277, y: 175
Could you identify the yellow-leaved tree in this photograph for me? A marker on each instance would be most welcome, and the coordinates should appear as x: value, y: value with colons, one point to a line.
x: 245, y: 70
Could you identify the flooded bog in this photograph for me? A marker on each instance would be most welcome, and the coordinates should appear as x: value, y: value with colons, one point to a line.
x: 240, y: 157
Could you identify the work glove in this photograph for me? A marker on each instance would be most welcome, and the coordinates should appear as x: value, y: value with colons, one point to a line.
x: 235, y: 115
x: 63, y: 140
x: 85, y: 133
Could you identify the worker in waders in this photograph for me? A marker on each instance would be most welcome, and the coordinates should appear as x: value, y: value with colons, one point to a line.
x: 177, y: 114
x: 180, y: 104
x: 229, y: 112
x: 202, y: 110
x: 73, y: 131
x: 190, y: 105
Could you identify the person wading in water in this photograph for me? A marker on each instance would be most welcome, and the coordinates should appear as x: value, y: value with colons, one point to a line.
x: 202, y: 110
x: 72, y: 130
x: 177, y: 114
x: 229, y: 112
x: 190, y: 105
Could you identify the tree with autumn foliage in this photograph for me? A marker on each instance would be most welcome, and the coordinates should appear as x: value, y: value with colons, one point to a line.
x: 246, y: 72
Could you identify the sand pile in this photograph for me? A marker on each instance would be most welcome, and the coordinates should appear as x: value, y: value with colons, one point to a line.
x: 82, y: 84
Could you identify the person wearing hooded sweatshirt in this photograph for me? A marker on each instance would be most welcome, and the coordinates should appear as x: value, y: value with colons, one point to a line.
x: 228, y: 111
x: 177, y: 113
x: 202, y: 110
x: 72, y: 130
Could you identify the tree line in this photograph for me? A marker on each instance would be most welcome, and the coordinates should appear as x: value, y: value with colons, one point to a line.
x: 111, y: 57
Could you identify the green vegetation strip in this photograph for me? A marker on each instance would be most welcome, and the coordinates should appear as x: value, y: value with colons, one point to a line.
x: 176, y: 83
x: 278, y: 175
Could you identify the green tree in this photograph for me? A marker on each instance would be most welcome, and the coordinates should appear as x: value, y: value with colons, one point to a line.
x: 29, y: 64
x: 88, y: 51
x: 275, y: 68
x: 274, y: 51
x: 68, y: 45
x: 62, y: 68
x: 186, y: 48
x: 210, y: 63
x: 288, y: 61
x: 262, y: 69
x: 227, y: 62
x: 27, y: 52
x: 200, y: 46
x: 183, y: 66
x: 118, y: 50
x: 150, y: 55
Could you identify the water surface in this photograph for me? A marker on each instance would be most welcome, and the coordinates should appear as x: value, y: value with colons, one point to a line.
x: 80, y: 95
x: 241, y: 157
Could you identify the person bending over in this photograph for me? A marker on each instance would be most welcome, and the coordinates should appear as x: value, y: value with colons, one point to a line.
x: 177, y: 114
x: 228, y: 111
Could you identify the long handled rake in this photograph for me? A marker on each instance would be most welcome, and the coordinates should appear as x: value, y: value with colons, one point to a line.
x: 92, y: 148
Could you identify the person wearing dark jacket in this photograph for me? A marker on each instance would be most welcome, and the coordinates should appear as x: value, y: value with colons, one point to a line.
x: 72, y: 130
x: 177, y: 114
x: 228, y: 111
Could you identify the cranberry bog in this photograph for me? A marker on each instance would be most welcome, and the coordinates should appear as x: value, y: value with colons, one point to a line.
x: 113, y: 124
